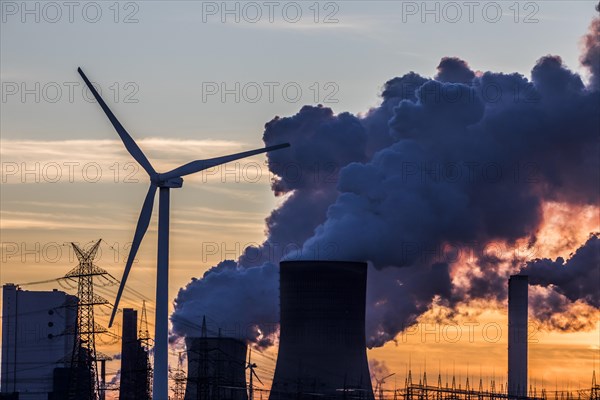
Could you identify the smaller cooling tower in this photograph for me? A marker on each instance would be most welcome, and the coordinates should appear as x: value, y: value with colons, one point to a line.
x: 216, y: 369
x: 322, y: 349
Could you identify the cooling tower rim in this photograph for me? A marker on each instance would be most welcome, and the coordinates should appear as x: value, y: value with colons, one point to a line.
x: 228, y: 338
x: 317, y: 262
x: 519, y: 277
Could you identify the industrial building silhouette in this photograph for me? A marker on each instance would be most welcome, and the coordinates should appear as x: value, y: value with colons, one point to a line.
x: 33, y: 334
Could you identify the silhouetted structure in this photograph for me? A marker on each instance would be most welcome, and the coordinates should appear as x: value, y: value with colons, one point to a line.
x: 37, y: 337
x: 478, y: 390
x: 76, y: 379
x: 135, y: 383
x: 518, y: 286
x: 179, y: 378
x: 216, y: 369
x: 84, y: 355
x: 322, y: 349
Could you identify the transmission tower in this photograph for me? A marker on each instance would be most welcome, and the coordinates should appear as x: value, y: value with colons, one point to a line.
x: 179, y: 377
x: 103, y: 358
x: 143, y: 333
x: 85, y: 384
x: 144, y: 339
x: 595, y: 393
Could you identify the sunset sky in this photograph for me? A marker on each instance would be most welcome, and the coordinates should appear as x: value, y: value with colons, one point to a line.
x: 162, y: 68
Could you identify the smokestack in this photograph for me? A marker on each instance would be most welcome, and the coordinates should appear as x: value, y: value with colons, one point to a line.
x: 322, y: 348
x: 129, y: 346
x: 518, y: 286
x: 216, y: 368
x: 134, y: 361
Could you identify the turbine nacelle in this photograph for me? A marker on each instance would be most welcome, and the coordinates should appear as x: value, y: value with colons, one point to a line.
x: 165, y: 182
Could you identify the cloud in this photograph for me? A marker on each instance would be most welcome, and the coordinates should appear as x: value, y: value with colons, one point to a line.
x: 576, y: 278
x: 464, y: 160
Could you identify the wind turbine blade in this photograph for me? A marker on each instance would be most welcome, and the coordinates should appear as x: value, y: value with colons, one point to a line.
x: 128, y: 141
x: 140, y: 231
x: 199, y: 165
x: 256, y: 376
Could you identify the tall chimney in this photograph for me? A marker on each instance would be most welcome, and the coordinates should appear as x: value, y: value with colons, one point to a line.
x: 518, y: 286
x: 129, y: 349
x: 322, y: 351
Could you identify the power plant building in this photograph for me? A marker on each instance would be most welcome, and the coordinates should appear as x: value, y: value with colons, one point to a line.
x: 216, y: 369
x: 322, y: 346
x: 38, y: 331
x: 518, y: 288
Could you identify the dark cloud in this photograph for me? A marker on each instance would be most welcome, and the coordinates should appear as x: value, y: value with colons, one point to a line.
x: 403, y: 88
x: 578, y: 278
x: 462, y: 158
x: 553, y: 311
x: 591, y: 54
x: 398, y: 296
x: 321, y: 143
x: 454, y: 70
x: 249, y: 311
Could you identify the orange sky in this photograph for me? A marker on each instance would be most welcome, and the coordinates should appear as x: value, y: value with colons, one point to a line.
x: 566, y: 359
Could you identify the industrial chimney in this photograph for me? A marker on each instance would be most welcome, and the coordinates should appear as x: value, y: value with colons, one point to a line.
x: 129, y: 349
x: 517, y: 335
x: 134, y: 361
x: 322, y: 348
x: 216, y: 368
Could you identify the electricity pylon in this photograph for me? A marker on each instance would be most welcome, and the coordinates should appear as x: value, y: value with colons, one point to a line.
x: 144, y: 339
x: 85, y: 384
x: 179, y: 378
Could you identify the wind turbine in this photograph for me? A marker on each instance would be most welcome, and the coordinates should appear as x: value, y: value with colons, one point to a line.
x: 251, y: 366
x: 165, y: 182
x: 379, y: 386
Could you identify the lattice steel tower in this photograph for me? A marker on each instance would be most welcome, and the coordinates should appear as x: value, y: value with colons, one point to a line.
x: 144, y: 338
x: 179, y: 378
x: 84, y: 356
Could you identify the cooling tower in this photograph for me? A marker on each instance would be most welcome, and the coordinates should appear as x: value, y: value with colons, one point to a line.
x: 322, y: 350
x: 517, y: 335
x: 216, y: 369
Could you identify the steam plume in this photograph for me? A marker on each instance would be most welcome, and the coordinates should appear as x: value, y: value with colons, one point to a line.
x: 458, y: 161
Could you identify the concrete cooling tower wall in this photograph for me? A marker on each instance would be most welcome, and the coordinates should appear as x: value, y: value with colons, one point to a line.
x: 322, y: 350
